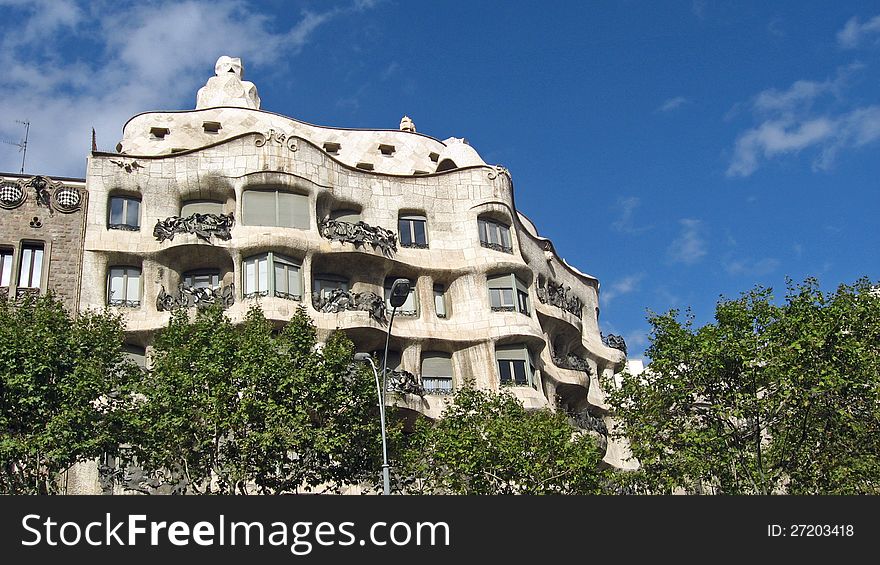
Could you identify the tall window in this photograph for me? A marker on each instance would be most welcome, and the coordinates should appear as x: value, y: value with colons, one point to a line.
x: 412, y: 231
x: 30, y: 271
x: 6, y: 255
x: 202, y: 279
x: 324, y: 285
x: 410, y: 307
x: 514, y: 365
x: 200, y: 207
x: 440, y: 301
x: 125, y: 213
x: 275, y: 208
x: 494, y: 235
x: 437, y: 372
x: 508, y: 294
x: 272, y: 274
x: 124, y: 287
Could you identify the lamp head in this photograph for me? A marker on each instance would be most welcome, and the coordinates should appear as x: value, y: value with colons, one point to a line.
x: 399, y: 292
x: 361, y: 356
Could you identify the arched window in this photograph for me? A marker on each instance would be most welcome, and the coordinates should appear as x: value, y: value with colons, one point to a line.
x: 124, y: 213
x: 437, y: 372
x: 191, y: 207
x: 272, y: 207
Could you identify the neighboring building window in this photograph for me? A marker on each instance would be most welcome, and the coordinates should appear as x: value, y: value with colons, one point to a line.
x: 6, y: 255
x: 125, y: 213
x: 30, y: 271
x: 412, y: 231
x: 437, y: 372
x: 275, y: 208
x: 440, y: 301
x: 494, y: 235
x: 410, y: 307
x: 124, y: 287
x: 200, y: 207
x: 202, y: 279
x: 324, y: 285
x: 285, y: 280
x: 349, y: 216
x: 514, y: 365
x: 508, y: 294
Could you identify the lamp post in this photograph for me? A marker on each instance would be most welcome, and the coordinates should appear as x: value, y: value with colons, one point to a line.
x: 399, y: 293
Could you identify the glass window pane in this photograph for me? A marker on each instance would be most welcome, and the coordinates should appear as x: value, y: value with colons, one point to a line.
x: 116, y: 205
x: 421, y: 236
x: 25, y: 267
x: 132, y: 214
x: 504, y: 234
x: 507, y: 297
x: 263, y: 274
x: 281, y: 278
x: 37, y: 267
x: 403, y: 230
x: 440, y: 301
x: 293, y: 210
x: 519, y: 372
x: 258, y: 208
x: 482, y: 227
x: 6, y: 267
x: 250, y: 276
x: 523, y: 302
x: 504, y: 371
x: 200, y: 207
x: 117, y: 290
x: 294, y: 281
x: 133, y: 290
x: 495, y: 297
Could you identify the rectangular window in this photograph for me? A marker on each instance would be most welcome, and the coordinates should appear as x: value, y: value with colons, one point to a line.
x: 412, y: 231
x: 288, y: 281
x: 6, y: 255
x: 437, y: 373
x: 440, y: 300
x: 124, y: 287
x: 256, y: 276
x: 202, y: 279
x: 494, y: 235
x: 30, y: 271
x: 508, y: 294
x: 514, y: 365
x: 275, y: 208
x: 125, y: 213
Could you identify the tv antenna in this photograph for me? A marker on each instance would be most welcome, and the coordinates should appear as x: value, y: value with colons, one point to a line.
x: 22, y: 145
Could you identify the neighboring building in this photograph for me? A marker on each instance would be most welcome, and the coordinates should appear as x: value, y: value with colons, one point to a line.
x: 42, y: 221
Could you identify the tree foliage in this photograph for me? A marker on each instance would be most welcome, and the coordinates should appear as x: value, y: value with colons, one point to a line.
x: 238, y: 409
x: 767, y: 399
x: 62, y: 384
x: 488, y: 443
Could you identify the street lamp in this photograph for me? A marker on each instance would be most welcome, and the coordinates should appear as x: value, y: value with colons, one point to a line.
x: 386, y: 479
x: 399, y: 293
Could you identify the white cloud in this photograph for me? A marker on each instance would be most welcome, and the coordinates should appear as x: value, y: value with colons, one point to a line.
x: 788, y: 124
x: 751, y: 267
x: 626, y: 222
x: 672, y: 104
x: 623, y: 286
x: 690, y: 246
x: 151, y: 57
x: 854, y: 33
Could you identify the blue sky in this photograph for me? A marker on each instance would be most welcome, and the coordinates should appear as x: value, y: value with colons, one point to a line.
x: 678, y: 151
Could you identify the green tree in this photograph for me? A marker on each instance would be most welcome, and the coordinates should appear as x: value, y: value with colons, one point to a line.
x: 767, y: 399
x: 239, y: 409
x: 62, y: 391
x: 488, y: 443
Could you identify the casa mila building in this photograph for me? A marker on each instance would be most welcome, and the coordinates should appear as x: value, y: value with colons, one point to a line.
x: 235, y: 205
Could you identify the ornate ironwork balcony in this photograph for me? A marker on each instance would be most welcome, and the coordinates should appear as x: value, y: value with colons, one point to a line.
x: 561, y: 297
x: 288, y: 296
x: 123, y: 227
x: 199, y: 297
x: 496, y: 247
x: 404, y: 382
x: 122, y: 303
x: 614, y: 341
x: 503, y: 308
x: 27, y: 292
x: 572, y: 362
x: 587, y: 421
x: 359, y: 233
x: 414, y: 245
x: 339, y: 300
x: 204, y: 226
